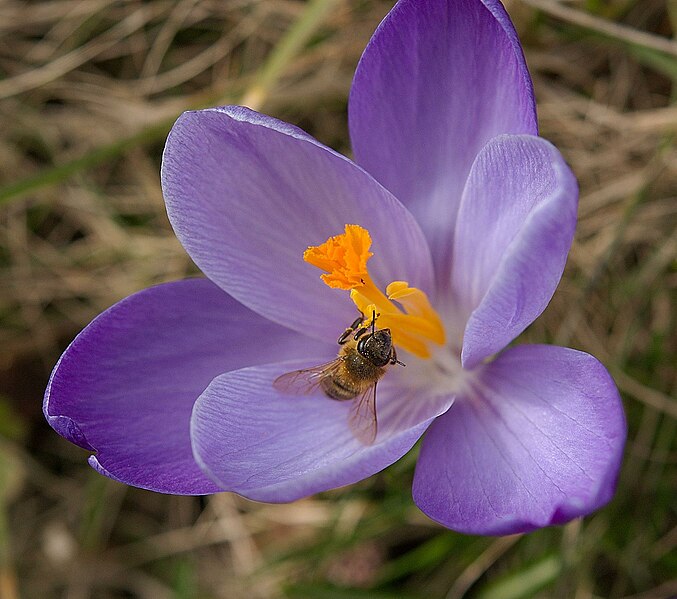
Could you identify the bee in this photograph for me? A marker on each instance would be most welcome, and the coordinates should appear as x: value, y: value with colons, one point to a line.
x: 362, y: 360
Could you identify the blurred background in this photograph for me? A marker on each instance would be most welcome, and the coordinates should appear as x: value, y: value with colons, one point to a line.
x: 88, y: 92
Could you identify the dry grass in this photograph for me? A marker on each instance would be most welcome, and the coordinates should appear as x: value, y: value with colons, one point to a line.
x: 81, y: 75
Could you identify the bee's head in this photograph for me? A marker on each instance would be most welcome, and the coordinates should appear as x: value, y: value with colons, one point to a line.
x: 376, y: 347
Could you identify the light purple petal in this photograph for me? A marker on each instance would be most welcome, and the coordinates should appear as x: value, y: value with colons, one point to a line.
x: 126, y: 385
x: 536, y: 440
x: 247, y: 194
x: 271, y: 447
x: 437, y: 81
x: 514, y: 230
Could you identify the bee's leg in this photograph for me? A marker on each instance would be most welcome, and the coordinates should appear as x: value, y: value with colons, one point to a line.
x: 356, y: 323
x: 344, y: 336
x: 393, y: 357
x: 360, y: 332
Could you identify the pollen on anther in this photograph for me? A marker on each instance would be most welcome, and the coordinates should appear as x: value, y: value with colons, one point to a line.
x: 342, y: 257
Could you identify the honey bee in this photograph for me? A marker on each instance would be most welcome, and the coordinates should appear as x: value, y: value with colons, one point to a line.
x: 362, y: 360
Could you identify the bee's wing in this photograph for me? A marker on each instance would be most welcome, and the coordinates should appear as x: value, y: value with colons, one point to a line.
x: 362, y: 418
x: 306, y: 380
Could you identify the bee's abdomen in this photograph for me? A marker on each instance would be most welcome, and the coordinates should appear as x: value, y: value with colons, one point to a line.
x: 337, y: 389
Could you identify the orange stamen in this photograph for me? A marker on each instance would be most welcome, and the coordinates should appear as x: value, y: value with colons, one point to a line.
x: 414, y: 324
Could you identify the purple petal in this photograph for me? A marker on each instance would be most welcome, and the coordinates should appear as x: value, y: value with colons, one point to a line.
x: 126, y: 386
x: 271, y: 447
x: 536, y: 440
x: 246, y: 195
x: 514, y: 230
x: 436, y: 82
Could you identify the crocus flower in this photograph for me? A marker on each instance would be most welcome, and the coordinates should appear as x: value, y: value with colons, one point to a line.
x: 453, y: 223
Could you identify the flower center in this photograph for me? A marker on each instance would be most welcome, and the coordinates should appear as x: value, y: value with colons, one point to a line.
x: 412, y: 321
